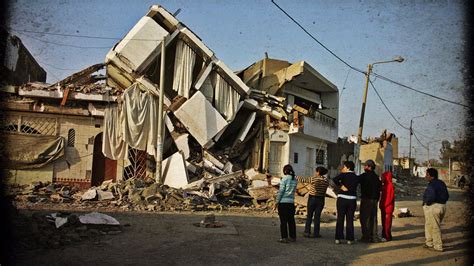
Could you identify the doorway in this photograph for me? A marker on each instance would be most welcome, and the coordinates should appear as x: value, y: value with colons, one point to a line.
x: 103, y: 168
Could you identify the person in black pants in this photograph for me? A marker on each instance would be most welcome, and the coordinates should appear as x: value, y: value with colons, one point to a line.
x: 346, y: 203
x: 317, y: 193
x: 285, y: 203
x: 370, y: 186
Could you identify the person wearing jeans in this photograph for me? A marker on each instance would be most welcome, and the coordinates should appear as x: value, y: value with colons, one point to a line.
x: 346, y: 203
x: 317, y: 193
x: 285, y: 203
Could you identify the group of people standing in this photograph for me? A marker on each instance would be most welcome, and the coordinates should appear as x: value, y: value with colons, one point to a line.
x: 345, y: 184
x: 376, y: 193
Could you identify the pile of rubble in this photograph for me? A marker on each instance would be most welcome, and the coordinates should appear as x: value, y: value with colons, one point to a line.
x: 59, y: 229
x: 215, y: 193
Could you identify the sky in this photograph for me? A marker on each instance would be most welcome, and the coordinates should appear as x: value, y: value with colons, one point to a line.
x: 428, y: 34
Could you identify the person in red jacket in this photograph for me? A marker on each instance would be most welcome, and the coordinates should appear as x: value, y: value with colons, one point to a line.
x: 387, y: 205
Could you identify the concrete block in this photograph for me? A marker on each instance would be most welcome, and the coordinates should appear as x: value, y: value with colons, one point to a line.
x: 200, y: 118
x: 213, y: 160
x: 90, y: 194
x: 174, y: 171
x: 182, y: 145
x: 104, y: 195
x: 134, y: 56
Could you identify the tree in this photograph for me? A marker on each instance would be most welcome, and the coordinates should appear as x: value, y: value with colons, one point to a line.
x: 456, y: 152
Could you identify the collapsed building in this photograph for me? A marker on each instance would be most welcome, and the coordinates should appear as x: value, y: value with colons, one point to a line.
x: 100, y: 124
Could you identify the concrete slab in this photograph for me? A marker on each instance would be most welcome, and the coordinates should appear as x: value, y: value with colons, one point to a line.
x: 244, y: 130
x: 133, y: 55
x: 174, y: 171
x: 182, y: 145
x: 200, y: 118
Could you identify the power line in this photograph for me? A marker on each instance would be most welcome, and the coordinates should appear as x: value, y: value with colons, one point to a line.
x: 316, y: 40
x: 416, y: 137
x: 80, y: 36
x: 58, y: 68
x: 422, y: 92
x: 386, y: 107
x: 67, y: 45
x: 361, y: 71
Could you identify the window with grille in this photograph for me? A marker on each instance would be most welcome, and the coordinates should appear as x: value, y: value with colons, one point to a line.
x: 71, y: 137
x: 28, y: 124
x: 9, y: 123
x: 137, y: 167
x: 320, y: 156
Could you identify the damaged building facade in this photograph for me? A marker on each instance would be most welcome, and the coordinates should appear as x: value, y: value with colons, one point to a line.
x: 101, y: 123
x: 53, y: 133
x: 306, y: 121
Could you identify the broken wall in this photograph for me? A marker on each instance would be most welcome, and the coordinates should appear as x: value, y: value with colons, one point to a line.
x: 19, y: 66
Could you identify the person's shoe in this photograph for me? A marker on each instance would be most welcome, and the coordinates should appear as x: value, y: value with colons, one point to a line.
x: 376, y: 240
x: 337, y: 241
x: 317, y: 236
x: 307, y: 235
x: 427, y: 247
x: 283, y: 240
x: 437, y: 250
x: 349, y: 242
x: 292, y: 239
x: 383, y: 240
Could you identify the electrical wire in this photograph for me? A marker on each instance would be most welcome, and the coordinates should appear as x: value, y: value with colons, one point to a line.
x: 361, y: 71
x: 80, y: 36
x: 416, y: 137
x: 316, y: 40
x: 386, y: 107
x: 422, y: 92
x: 64, y: 44
x: 58, y: 68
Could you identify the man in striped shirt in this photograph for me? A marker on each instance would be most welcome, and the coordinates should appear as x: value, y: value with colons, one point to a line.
x: 317, y: 194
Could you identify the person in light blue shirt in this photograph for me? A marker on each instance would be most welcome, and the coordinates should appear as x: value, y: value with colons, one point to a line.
x: 285, y: 202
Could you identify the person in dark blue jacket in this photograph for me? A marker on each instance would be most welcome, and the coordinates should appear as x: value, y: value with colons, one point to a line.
x: 434, y: 207
x: 346, y: 203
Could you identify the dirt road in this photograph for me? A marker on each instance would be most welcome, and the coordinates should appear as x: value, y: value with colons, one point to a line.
x: 171, y: 239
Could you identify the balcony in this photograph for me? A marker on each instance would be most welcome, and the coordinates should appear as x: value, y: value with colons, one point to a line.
x: 317, y: 125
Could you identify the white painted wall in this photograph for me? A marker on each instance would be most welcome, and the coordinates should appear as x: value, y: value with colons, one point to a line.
x: 299, y: 144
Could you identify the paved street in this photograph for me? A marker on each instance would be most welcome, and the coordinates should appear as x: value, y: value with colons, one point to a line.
x: 158, y: 238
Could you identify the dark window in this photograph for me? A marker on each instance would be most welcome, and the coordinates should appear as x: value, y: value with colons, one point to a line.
x: 295, y: 157
x: 71, y: 137
x: 319, y: 156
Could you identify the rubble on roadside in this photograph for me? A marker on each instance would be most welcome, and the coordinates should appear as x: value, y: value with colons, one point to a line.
x: 58, y: 229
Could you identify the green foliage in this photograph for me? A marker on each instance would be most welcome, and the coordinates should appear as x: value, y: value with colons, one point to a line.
x: 456, y: 152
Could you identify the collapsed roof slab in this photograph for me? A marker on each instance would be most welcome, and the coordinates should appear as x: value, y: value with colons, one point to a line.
x: 204, y: 125
x: 139, y: 47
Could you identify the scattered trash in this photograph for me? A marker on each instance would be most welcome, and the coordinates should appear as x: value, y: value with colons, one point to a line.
x: 404, y: 212
x: 209, y: 221
x: 98, y: 218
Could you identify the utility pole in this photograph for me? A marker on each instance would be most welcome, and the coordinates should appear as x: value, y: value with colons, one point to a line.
x: 159, y: 149
x: 398, y: 59
x: 411, y: 133
x: 409, y: 151
x: 449, y: 169
x: 361, y: 122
